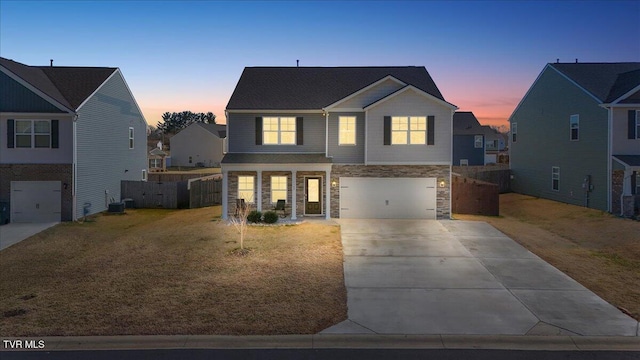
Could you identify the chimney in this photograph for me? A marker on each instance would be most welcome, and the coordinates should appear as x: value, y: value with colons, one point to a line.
x: 297, y: 63
x: 576, y: 60
x: 51, y: 62
x: 558, y: 61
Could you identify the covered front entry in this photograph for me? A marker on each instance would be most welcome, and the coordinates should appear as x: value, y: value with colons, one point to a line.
x: 313, y: 196
x: 387, y: 198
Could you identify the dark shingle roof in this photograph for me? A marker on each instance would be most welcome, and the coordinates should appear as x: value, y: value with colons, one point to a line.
x: 465, y: 123
x: 599, y: 79
x: 257, y: 158
x: 70, y: 86
x: 308, y: 88
x: 631, y: 160
x: 216, y: 129
x: 624, y: 83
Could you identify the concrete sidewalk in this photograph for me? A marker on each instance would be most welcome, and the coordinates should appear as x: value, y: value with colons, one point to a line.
x: 461, y: 278
x: 13, y: 233
x: 328, y: 341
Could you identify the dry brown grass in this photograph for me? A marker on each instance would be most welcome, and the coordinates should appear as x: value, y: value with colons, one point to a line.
x: 170, y: 272
x: 600, y: 251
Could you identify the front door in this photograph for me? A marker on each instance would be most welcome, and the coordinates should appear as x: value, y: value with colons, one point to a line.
x: 312, y: 196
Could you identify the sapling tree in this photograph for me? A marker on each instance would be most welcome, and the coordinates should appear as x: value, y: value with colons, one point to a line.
x: 240, y: 222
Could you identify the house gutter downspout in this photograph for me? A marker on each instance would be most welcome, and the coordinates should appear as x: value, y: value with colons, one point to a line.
x: 326, y: 132
x: 74, y: 172
x: 610, y: 158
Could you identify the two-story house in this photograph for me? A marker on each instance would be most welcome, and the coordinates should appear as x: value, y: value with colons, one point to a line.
x: 68, y: 136
x: 468, y: 140
x: 198, y: 144
x: 347, y: 142
x: 575, y: 136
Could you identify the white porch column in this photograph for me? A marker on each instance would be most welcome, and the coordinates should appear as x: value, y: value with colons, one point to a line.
x: 327, y: 195
x: 294, y: 189
x: 258, y: 201
x: 225, y: 193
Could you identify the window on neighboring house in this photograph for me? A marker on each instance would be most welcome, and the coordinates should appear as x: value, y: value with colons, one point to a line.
x: 245, y: 188
x: 190, y: 160
x: 347, y: 130
x: 279, y: 130
x: 477, y: 142
x: 33, y: 133
x: 278, y: 188
x: 408, y: 130
x: 574, y: 126
x: 131, y: 138
x: 144, y: 175
x: 464, y: 162
x: 555, y: 178
x: 155, y: 163
x: 637, y: 124
x: 514, y: 132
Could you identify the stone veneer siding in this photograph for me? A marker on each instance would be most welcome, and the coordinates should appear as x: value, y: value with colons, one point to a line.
x: 617, y: 179
x: 440, y: 172
x: 39, y: 172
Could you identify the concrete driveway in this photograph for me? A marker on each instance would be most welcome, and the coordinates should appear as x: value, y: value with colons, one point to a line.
x: 461, y: 277
x: 13, y: 233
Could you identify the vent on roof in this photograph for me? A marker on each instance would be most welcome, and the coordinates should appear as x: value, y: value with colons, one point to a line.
x: 51, y: 62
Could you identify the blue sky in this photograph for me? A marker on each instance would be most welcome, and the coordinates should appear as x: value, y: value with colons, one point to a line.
x: 188, y: 55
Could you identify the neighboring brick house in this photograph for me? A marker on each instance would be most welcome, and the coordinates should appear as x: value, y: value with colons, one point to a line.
x: 68, y: 136
x: 348, y: 142
x: 575, y: 136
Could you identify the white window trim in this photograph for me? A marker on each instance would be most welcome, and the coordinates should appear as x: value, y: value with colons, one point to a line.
x: 131, y: 138
x: 555, y: 175
x: 464, y: 162
x: 253, y: 189
x: 637, y: 124
x: 286, y: 188
x: 144, y: 175
x: 32, y: 134
x: 355, y: 127
x: 571, y: 117
x: 409, y: 131
x: 475, y: 141
x: 279, y: 130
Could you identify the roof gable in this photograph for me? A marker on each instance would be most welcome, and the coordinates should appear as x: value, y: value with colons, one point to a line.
x: 308, y: 88
x: 598, y: 79
x: 69, y: 86
x: 405, y: 89
x: 466, y: 123
x: 216, y: 129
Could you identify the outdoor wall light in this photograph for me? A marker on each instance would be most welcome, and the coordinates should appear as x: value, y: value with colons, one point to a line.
x: 334, y: 183
x: 442, y: 183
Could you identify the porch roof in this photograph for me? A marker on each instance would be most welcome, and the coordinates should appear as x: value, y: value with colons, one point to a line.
x: 628, y: 160
x: 257, y: 158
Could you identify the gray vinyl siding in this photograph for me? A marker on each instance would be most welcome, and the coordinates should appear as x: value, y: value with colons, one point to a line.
x: 409, y: 103
x: 62, y: 155
x: 200, y: 144
x: 103, y: 154
x: 346, y: 154
x: 241, y: 134
x: 367, y: 97
x: 464, y: 148
x: 622, y: 145
x: 543, y: 142
x: 17, y: 98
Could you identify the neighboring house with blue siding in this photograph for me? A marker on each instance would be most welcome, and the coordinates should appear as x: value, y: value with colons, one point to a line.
x: 68, y: 136
x: 339, y: 142
x: 468, y: 140
x: 575, y: 136
x: 199, y: 144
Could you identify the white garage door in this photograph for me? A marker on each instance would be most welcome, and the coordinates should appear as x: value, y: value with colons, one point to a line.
x: 36, y: 201
x: 387, y: 198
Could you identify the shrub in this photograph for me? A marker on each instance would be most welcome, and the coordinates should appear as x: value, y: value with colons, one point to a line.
x: 254, y: 216
x: 270, y: 217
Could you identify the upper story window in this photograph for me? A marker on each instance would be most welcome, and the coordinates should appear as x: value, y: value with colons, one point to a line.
x: 278, y: 188
x: 574, y: 126
x: 514, y: 132
x: 131, y: 137
x: 279, y: 130
x: 347, y: 130
x: 477, y: 141
x: 33, y: 133
x: 245, y: 188
x: 408, y: 130
x: 555, y: 178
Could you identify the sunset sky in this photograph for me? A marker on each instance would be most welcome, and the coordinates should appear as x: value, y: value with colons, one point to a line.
x: 188, y: 55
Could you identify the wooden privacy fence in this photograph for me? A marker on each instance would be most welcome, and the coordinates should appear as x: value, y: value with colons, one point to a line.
x: 194, y: 193
x: 496, y: 174
x: 471, y: 196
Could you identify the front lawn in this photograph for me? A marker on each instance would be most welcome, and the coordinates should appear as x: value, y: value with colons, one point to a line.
x: 170, y: 272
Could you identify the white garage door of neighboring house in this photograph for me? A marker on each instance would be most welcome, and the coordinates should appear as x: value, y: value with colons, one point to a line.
x: 387, y: 198
x: 36, y: 201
